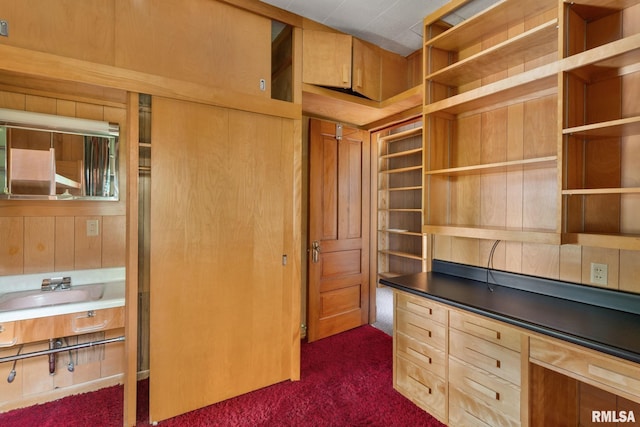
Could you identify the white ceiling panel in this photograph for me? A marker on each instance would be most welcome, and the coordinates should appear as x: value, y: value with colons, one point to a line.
x: 395, y: 25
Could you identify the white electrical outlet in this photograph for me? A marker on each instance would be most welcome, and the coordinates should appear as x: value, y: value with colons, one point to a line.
x: 599, y: 274
x: 92, y: 228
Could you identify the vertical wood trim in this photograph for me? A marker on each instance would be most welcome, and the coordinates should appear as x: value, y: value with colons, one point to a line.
x: 130, y: 147
x: 64, y: 243
x: 296, y: 257
x: 12, y: 245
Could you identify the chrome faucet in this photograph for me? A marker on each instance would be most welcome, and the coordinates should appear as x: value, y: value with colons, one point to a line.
x: 56, y: 283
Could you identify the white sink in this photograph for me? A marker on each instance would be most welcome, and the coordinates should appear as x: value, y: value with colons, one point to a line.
x: 37, y: 298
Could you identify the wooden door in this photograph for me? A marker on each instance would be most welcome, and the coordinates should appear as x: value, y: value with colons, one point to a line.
x: 339, y: 225
x: 222, y: 300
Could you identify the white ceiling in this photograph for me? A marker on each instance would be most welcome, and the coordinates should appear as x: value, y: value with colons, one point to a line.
x: 394, y: 25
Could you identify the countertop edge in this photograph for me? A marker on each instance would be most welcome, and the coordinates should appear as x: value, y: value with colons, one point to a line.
x: 582, y: 341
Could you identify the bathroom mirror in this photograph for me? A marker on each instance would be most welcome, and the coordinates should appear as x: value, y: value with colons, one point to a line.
x: 44, y: 156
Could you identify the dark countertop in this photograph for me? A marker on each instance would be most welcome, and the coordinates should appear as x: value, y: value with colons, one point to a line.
x: 604, y: 329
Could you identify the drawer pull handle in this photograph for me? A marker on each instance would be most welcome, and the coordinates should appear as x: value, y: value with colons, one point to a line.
x: 484, y: 358
x: 420, y: 354
x: 475, y: 420
x: 91, y: 328
x: 11, y: 343
x: 419, y: 307
x: 482, y: 389
x: 421, y: 383
x: 482, y: 331
x: 613, y: 376
x: 422, y: 329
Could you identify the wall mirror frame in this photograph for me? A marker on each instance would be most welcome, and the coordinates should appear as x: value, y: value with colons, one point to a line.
x: 44, y: 156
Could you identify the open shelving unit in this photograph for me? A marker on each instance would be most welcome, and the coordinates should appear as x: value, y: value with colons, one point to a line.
x: 401, y: 243
x: 601, y: 134
x: 491, y: 129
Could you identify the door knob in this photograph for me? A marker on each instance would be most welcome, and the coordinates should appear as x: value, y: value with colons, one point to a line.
x: 315, y: 251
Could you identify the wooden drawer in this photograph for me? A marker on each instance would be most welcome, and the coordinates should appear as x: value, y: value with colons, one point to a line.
x: 498, y: 360
x: 487, y: 329
x: 421, y: 387
x: 465, y: 411
x: 422, y: 329
x: 477, y: 384
x: 422, y: 307
x: 607, y: 372
x: 423, y: 355
x: 64, y: 325
x: 7, y: 334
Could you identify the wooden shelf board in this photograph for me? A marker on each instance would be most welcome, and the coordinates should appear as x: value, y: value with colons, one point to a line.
x: 493, y: 19
x: 400, y: 170
x: 418, y: 210
x: 531, y: 84
x: 416, y: 187
x: 401, y: 135
x: 401, y: 254
x: 401, y: 153
x: 333, y: 105
x: 613, y: 59
x: 536, y: 163
x: 531, y: 236
x: 597, y: 191
x: 402, y: 232
x: 611, y: 129
x: 593, y: 9
x: 535, y: 43
x: 610, y: 241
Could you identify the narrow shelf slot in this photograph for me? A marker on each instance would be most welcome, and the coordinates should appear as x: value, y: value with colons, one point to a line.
x: 400, y: 254
x: 416, y: 187
x: 401, y: 232
x: 401, y: 153
x: 399, y: 170
x: 401, y: 135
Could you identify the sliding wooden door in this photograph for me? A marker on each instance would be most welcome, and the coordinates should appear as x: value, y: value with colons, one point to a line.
x: 221, y: 222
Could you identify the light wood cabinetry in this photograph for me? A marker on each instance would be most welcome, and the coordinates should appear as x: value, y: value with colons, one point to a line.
x: 601, y: 124
x: 490, y: 118
x: 401, y: 244
x: 338, y: 60
x: 462, y: 368
x: 484, y: 371
x: 420, y: 352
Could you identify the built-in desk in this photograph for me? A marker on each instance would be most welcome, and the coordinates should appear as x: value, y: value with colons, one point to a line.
x: 563, y: 334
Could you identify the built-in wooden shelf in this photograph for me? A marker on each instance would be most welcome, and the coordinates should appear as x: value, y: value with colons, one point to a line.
x: 610, y: 129
x: 401, y: 153
x: 594, y: 191
x: 401, y: 254
x: 412, y: 188
x: 629, y: 242
x: 490, y: 21
x: 400, y: 231
x: 515, y: 165
x: 537, y: 42
x: 400, y: 170
x: 532, y: 236
x: 531, y: 84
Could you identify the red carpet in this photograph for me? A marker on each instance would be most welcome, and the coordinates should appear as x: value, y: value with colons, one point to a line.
x: 346, y: 381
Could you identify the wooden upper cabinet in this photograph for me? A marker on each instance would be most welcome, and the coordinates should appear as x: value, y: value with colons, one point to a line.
x: 342, y: 61
x: 367, y: 77
x: 326, y: 59
x: 209, y: 42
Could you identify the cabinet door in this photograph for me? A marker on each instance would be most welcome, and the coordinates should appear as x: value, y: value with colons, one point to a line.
x: 366, y: 70
x: 326, y: 58
x: 222, y: 302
